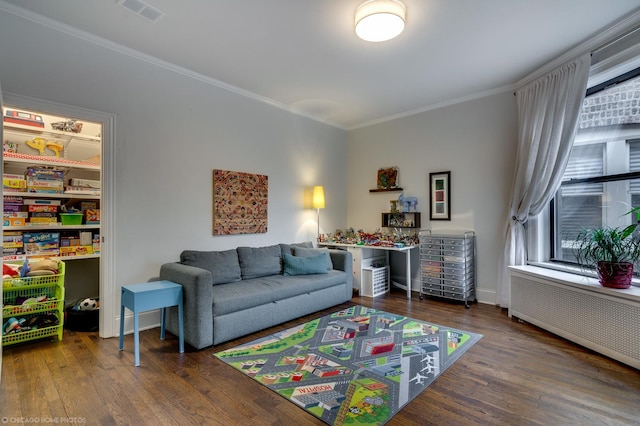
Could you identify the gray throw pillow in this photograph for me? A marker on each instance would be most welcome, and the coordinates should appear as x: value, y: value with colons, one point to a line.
x: 309, y: 252
x: 259, y: 261
x: 223, y: 265
x: 288, y: 248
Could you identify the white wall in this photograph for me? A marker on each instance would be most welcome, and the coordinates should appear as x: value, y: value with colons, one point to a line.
x: 171, y: 132
x: 475, y: 140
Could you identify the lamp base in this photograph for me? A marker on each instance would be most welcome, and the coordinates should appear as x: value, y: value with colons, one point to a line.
x: 319, y: 238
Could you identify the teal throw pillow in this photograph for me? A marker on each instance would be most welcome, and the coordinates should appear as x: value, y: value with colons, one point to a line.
x: 294, y: 265
x: 309, y: 252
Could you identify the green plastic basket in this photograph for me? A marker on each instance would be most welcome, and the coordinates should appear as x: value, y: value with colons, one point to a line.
x: 25, y: 336
x: 71, y: 218
x: 51, y: 286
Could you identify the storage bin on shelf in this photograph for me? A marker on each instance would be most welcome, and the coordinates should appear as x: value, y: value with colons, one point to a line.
x: 71, y: 218
x: 15, y: 289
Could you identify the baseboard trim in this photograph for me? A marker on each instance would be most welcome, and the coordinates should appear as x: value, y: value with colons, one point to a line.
x: 147, y: 320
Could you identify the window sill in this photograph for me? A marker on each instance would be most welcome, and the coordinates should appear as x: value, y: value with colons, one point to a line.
x: 567, y: 276
x: 574, y: 270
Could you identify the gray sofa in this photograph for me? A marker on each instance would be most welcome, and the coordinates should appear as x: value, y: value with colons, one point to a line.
x: 231, y: 293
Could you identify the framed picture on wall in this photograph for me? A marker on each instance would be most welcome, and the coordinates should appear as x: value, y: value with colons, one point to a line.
x: 440, y: 196
x: 387, y: 178
x: 240, y: 202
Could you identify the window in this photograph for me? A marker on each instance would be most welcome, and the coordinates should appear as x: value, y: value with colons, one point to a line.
x: 602, y: 180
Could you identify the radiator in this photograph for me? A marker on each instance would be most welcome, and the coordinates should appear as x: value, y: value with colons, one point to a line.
x: 578, y: 309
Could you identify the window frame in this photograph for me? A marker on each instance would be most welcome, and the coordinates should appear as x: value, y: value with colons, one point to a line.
x: 542, y: 230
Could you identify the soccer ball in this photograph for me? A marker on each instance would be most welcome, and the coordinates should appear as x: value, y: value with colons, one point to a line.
x: 88, y: 305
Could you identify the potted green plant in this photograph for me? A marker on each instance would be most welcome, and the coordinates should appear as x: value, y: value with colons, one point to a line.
x: 612, y: 251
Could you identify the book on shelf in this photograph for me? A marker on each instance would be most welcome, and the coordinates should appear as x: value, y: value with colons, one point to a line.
x: 81, y: 190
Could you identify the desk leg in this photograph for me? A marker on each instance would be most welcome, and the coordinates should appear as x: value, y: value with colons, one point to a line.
x: 407, y: 253
x: 136, y: 339
x: 121, y: 345
x: 181, y: 326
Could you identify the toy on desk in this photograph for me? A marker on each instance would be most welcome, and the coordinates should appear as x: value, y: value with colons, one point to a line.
x: 367, y: 239
x: 37, y: 143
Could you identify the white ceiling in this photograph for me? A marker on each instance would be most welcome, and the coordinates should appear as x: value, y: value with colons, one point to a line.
x: 303, y: 55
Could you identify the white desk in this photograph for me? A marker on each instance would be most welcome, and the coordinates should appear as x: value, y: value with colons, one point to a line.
x: 358, y: 254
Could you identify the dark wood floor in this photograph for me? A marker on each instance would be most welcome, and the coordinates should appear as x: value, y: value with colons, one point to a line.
x: 516, y: 375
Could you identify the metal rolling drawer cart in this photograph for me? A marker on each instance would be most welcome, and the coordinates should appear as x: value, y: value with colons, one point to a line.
x: 447, y: 265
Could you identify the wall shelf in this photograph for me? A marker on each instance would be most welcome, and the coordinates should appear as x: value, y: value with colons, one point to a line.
x: 79, y: 159
x: 401, y: 220
x: 60, y: 196
x: 386, y: 190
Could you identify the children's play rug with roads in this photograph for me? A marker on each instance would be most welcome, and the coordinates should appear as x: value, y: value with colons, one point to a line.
x: 358, y: 366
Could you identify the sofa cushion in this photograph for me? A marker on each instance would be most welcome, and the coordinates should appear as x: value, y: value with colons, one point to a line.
x: 291, y: 286
x: 247, y: 294
x: 223, y: 265
x: 241, y: 295
x: 294, y: 265
x: 259, y: 261
x: 308, y: 252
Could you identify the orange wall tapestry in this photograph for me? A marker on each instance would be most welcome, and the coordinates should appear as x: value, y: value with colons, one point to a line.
x: 240, y: 202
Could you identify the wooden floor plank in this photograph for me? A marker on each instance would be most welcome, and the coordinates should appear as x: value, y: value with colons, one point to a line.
x: 516, y: 374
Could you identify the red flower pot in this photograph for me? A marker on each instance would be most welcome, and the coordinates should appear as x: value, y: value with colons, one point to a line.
x: 615, y: 274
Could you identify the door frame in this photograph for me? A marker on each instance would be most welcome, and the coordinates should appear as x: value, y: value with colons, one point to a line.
x: 108, y: 295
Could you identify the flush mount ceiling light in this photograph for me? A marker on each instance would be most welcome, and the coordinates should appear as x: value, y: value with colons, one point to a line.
x: 380, y: 20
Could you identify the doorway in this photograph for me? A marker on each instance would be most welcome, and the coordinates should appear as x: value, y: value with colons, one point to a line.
x: 107, y: 290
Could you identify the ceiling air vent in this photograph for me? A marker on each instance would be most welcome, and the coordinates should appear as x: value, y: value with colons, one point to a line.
x: 143, y: 9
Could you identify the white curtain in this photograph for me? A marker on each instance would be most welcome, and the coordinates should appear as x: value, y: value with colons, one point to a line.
x: 548, y: 110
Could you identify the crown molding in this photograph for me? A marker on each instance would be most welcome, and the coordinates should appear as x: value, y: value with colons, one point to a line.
x: 432, y: 107
x: 618, y: 29
x: 622, y: 26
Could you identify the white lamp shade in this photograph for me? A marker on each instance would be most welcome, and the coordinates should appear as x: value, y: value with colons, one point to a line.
x: 380, y: 20
x: 318, y: 197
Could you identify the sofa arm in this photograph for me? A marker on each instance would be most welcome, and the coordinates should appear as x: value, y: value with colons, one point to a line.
x: 197, y: 291
x: 343, y: 261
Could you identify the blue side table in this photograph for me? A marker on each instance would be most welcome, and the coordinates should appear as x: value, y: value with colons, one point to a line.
x: 145, y: 297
